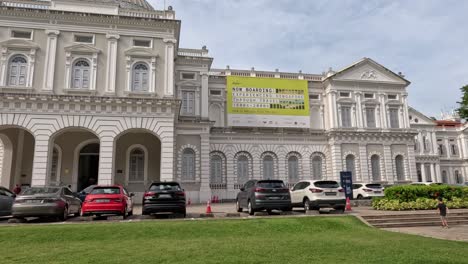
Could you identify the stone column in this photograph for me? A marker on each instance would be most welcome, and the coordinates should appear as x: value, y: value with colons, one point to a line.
x: 167, y: 154
x: 405, y: 111
x: 412, y: 173
x: 169, y: 68
x: 205, y: 191
x: 447, y: 147
x: 106, y: 158
x: 112, y: 45
x: 365, y: 175
x: 438, y: 175
x: 334, y: 113
x: 360, y: 121
x: 204, y: 103
x: 389, y: 175
x: 433, y: 175
x: 383, y: 111
x: 322, y: 117
x: 231, y: 180
x: 423, y: 172
x: 51, y: 52
x: 434, y: 143
x: 41, y: 158
x: 336, y: 160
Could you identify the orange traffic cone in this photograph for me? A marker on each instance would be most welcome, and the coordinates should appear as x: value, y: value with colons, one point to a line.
x: 208, y: 207
x: 348, y: 204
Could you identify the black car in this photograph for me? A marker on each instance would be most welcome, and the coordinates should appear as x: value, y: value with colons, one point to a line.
x: 164, y: 197
x: 257, y: 195
x: 6, y: 201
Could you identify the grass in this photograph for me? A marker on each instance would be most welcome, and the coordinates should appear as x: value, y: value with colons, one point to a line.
x: 280, y: 240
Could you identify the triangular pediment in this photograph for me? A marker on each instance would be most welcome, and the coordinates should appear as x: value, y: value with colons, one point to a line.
x: 19, y: 44
x: 418, y: 118
x: 140, y: 52
x: 367, y: 70
x: 82, y: 48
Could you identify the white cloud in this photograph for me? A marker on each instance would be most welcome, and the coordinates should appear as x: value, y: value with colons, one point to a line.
x: 425, y: 39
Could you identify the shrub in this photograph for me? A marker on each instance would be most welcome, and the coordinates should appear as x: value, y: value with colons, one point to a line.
x: 418, y: 204
x: 409, y: 193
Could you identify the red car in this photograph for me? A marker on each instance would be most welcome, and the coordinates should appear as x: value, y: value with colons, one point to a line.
x: 108, y: 200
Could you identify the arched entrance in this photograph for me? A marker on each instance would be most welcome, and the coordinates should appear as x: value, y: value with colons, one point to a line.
x: 17, y: 157
x: 88, y: 165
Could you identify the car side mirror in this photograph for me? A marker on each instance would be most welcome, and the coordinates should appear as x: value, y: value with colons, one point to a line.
x: 242, y: 189
x: 132, y: 194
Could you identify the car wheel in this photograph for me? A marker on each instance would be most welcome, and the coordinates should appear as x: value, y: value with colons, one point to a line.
x: 250, y: 208
x: 306, y: 205
x: 130, y: 213
x: 124, y: 215
x: 184, y: 213
x: 78, y: 213
x: 269, y: 211
x: 64, y: 215
x: 360, y: 197
x: 238, y: 208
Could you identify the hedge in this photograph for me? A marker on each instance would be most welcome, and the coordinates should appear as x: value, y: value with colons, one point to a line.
x: 418, y: 204
x: 410, y: 193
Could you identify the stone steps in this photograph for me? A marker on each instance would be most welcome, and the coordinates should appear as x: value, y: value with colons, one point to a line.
x: 415, y: 219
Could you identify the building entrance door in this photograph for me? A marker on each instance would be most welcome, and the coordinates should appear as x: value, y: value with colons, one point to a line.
x: 88, y: 166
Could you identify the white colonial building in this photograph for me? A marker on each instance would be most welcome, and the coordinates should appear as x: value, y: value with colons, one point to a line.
x: 100, y: 91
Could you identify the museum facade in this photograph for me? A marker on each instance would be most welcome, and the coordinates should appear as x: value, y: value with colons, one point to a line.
x: 99, y: 91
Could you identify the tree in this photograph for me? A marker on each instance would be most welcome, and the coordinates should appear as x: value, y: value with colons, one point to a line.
x: 463, y: 110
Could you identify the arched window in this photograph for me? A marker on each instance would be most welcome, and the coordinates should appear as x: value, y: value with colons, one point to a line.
x: 216, y: 169
x: 458, y: 177
x: 17, y: 71
x: 350, y: 165
x: 242, y: 169
x: 136, y: 165
x: 400, y: 169
x: 54, y: 166
x: 375, y: 168
x: 293, y: 169
x: 188, y: 165
x: 140, y: 77
x: 80, y: 73
x: 444, y: 177
x: 317, y: 168
x: 268, y: 167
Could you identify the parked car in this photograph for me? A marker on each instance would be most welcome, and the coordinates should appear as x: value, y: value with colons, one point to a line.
x: 57, y: 202
x: 426, y: 183
x: 6, y: 201
x: 257, y: 195
x: 367, y: 190
x: 82, y: 195
x: 313, y: 195
x: 108, y: 200
x: 164, y: 197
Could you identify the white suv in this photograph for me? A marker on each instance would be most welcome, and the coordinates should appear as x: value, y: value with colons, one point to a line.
x: 367, y: 190
x: 313, y: 195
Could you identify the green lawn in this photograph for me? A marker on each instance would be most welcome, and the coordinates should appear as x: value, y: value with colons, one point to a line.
x: 280, y: 240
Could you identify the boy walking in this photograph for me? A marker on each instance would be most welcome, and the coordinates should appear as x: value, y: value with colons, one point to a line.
x: 443, y: 210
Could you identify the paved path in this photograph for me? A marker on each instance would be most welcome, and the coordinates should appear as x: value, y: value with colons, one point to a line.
x: 458, y: 233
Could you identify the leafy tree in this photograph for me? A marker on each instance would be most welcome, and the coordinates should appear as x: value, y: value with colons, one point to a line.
x: 463, y: 110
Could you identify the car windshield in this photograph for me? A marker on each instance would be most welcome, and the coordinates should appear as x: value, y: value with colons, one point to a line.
x: 165, y: 187
x: 41, y: 190
x: 106, y: 190
x: 271, y: 184
x: 374, y: 186
x: 326, y: 184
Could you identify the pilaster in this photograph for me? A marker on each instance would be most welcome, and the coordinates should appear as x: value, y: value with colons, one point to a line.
x: 41, y: 157
x: 169, y: 69
x: 365, y: 176
x: 389, y: 175
x: 112, y: 46
x: 204, y: 96
x: 205, y: 191
x: 51, y: 52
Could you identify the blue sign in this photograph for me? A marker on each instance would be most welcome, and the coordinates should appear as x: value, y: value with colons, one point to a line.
x: 346, y: 178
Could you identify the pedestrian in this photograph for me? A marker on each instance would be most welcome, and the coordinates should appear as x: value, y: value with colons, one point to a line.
x: 17, y: 189
x: 443, y: 210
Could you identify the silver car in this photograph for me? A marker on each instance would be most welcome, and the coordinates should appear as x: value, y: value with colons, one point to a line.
x: 6, y: 201
x: 46, y: 202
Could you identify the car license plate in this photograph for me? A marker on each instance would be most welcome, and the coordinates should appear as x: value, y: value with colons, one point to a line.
x: 102, y: 200
x: 377, y: 192
x: 34, y: 201
x: 274, y: 198
x: 165, y: 196
x: 330, y: 193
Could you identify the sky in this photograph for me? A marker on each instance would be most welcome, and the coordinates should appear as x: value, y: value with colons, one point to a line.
x: 427, y: 40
